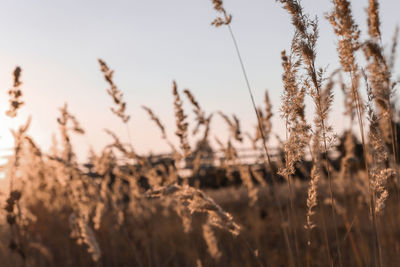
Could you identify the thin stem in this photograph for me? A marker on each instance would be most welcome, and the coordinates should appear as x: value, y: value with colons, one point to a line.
x: 324, y: 136
x: 267, y: 156
x: 294, y: 216
x: 332, y: 197
x: 326, y: 239
x: 324, y: 228
x: 359, y: 111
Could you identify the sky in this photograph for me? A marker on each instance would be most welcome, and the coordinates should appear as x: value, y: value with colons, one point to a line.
x: 149, y: 44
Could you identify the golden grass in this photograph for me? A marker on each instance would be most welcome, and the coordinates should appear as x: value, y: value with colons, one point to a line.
x: 303, y: 207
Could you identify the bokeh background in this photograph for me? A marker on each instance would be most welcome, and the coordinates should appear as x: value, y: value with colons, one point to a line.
x: 148, y: 44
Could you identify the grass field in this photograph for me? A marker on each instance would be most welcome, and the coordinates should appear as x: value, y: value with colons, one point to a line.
x: 322, y: 198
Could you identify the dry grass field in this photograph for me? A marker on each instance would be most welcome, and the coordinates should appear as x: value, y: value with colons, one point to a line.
x: 322, y: 198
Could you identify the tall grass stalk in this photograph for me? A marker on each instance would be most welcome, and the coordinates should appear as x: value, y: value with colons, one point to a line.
x: 306, y: 48
x: 226, y: 20
x: 348, y: 33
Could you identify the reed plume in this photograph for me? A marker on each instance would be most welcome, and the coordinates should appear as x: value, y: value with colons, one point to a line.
x: 65, y: 117
x: 15, y: 94
x: 380, y: 76
x: 160, y: 126
x: 266, y: 115
x: 156, y: 120
x: 188, y: 201
x: 200, y: 114
x: 349, y: 158
x: 292, y: 110
x: 196, y: 201
x: 234, y: 126
x: 312, y: 193
x: 379, y: 171
x: 129, y: 153
x: 373, y: 20
x: 347, y: 30
x: 225, y: 19
x: 247, y: 180
x: 181, y: 123
x: 348, y: 34
x: 114, y: 92
x: 382, y: 87
x: 267, y: 118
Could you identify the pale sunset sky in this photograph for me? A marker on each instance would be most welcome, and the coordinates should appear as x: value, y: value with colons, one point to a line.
x: 149, y: 44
